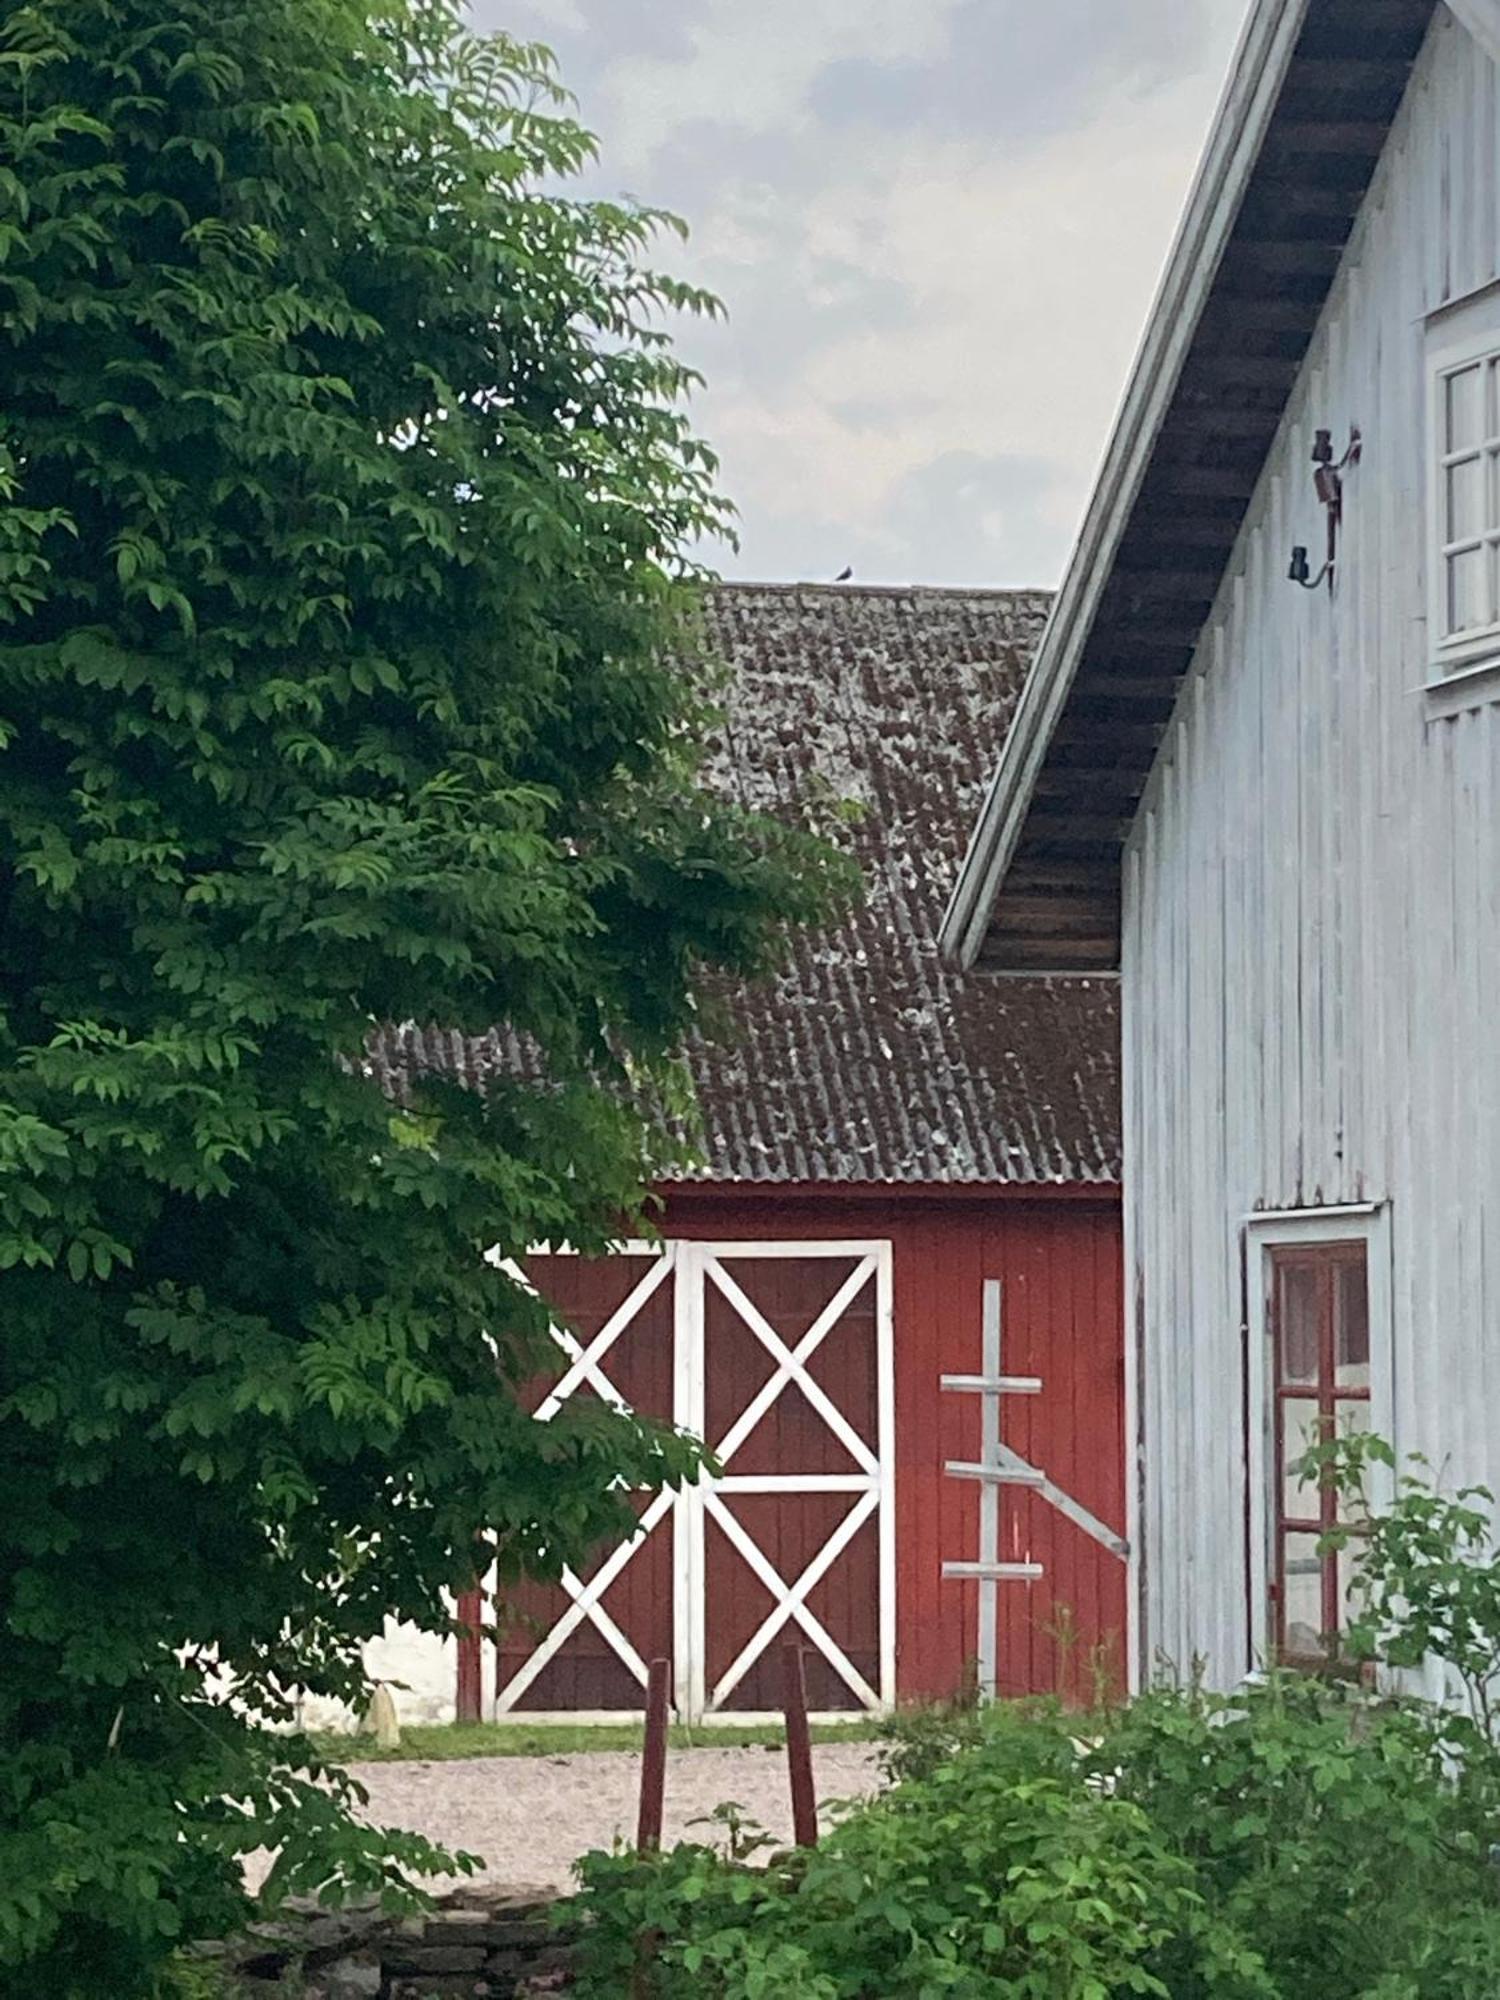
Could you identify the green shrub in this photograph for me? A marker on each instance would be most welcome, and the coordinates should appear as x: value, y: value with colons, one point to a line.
x: 1426, y: 1585
x: 1286, y: 1843
x: 1296, y: 1840
x: 919, y: 1738
x: 1326, y: 1829
x: 1003, y: 1871
x: 188, y: 1978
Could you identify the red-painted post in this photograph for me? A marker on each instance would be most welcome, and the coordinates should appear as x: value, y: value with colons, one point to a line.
x: 654, y: 1760
x: 798, y: 1746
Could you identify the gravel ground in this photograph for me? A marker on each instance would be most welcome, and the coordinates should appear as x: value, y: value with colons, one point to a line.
x: 532, y: 1817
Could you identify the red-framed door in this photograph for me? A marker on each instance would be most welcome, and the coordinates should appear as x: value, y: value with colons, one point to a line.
x: 584, y: 1646
x: 1319, y: 1321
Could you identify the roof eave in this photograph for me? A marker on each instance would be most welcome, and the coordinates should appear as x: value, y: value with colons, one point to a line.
x: 1255, y: 82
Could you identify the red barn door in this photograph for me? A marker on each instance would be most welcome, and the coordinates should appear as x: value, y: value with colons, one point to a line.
x: 779, y: 1355
x: 585, y: 1646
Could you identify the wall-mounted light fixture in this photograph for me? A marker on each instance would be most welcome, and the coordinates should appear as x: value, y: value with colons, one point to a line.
x: 1328, y: 483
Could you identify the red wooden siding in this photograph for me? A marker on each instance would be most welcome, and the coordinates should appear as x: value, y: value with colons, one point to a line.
x: 1059, y: 1258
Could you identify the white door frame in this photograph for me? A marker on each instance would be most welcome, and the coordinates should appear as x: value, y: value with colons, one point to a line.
x: 692, y: 1266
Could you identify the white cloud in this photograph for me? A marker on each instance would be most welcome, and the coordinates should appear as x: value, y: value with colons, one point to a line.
x: 912, y: 296
x: 533, y: 18
x: 1027, y: 281
x: 748, y: 68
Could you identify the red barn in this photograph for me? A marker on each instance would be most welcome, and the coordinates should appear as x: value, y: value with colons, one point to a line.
x: 883, y: 1136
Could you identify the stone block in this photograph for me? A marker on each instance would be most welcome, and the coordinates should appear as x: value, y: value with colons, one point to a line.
x: 408, y: 1959
x: 358, y: 1978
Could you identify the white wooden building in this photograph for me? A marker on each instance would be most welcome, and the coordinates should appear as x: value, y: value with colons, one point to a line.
x: 1270, y: 798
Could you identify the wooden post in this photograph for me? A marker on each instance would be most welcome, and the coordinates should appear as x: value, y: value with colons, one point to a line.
x: 798, y: 1746
x: 469, y: 1706
x: 997, y: 1467
x: 654, y: 1758
x: 989, y: 1499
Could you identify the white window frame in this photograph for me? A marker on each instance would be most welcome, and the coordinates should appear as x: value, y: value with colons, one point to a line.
x: 1459, y: 336
x: 1367, y: 1223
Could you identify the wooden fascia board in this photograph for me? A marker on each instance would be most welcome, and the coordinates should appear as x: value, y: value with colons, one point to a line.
x: 1234, y: 146
x: 1482, y: 19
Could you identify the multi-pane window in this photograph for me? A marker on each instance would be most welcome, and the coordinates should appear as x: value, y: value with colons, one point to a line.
x: 1463, y: 457
x: 1469, y: 497
x: 1320, y: 1336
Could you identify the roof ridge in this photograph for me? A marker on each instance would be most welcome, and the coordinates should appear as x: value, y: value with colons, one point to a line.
x: 988, y: 593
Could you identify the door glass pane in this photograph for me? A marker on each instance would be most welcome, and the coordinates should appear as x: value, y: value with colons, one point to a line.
x: 1465, y: 500
x: 1298, y: 1297
x: 1300, y: 1500
x: 1465, y: 408
x: 1302, y: 1601
x: 1351, y: 1326
x: 1352, y: 1416
x: 1467, y: 590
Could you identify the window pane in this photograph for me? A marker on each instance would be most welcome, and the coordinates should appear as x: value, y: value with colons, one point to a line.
x: 1351, y: 1326
x: 1353, y: 1417
x: 1465, y: 408
x: 1468, y: 591
x: 1302, y: 1596
x: 1298, y: 1299
x: 1466, y: 501
x: 1300, y: 1430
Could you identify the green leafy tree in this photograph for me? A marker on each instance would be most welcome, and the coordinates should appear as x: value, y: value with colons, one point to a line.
x: 344, y: 477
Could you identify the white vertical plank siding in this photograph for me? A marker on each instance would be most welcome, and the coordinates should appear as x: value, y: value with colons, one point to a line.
x: 1312, y: 912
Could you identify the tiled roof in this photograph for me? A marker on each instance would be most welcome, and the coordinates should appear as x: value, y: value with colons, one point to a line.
x: 866, y: 1060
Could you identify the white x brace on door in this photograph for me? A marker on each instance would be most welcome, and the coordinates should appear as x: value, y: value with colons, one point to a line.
x: 782, y: 1359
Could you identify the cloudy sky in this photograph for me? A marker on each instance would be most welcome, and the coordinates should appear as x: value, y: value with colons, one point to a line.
x: 937, y: 226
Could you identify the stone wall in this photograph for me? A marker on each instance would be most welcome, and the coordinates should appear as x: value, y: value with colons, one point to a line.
x: 483, y: 1944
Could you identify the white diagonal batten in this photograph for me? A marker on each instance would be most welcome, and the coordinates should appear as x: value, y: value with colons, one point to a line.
x: 789, y: 1600
x: 792, y: 1363
x: 587, y: 1604
x: 586, y: 1360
